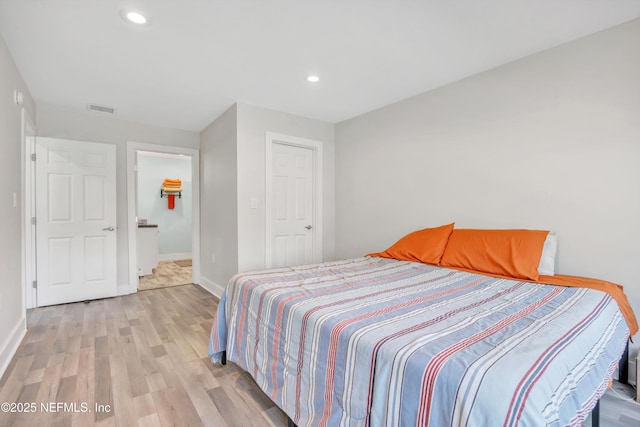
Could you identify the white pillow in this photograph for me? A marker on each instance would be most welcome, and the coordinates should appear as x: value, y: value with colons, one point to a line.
x: 547, y: 263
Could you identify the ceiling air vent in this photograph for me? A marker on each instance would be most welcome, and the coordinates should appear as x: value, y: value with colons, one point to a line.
x: 101, y: 109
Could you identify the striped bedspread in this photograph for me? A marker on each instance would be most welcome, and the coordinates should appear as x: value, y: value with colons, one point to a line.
x: 380, y: 342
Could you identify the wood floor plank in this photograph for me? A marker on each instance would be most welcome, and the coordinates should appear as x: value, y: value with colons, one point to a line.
x: 103, y: 393
x: 226, y: 407
x: 193, y: 380
x: 156, y: 382
x: 144, y: 405
x: 47, y: 392
x: 145, y: 352
x: 135, y: 372
x: 245, y: 384
x: 168, y: 371
x: 101, y: 346
x: 49, y: 385
x: 85, y: 386
x: 123, y: 405
x: 151, y: 420
x: 276, y: 416
x: 175, y: 408
x: 216, y: 420
x: 62, y: 415
x: 106, y: 422
x: 151, y: 332
x: 26, y: 395
x: 15, y: 376
x: 100, y: 319
x: 56, y: 359
x: 34, y: 376
x: 70, y: 364
x: 43, y: 350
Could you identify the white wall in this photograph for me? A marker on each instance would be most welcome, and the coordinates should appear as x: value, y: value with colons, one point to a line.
x: 219, y: 201
x: 551, y: 141
x: 253, y: 123
x: 93, y: 127
x: 174, y: 225
x: 12, y: 312
x: 233, y: 172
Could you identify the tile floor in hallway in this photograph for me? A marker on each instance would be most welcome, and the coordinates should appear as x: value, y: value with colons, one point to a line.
x: 166, y: 274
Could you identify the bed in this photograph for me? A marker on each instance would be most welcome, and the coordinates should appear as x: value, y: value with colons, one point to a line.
x: 378, y: 341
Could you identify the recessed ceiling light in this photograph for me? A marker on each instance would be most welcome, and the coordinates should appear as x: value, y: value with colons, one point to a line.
x: 313, y: 79
x: 134, y: 17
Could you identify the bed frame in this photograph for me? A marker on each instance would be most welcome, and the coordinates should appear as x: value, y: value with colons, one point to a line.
x: 623, y: 377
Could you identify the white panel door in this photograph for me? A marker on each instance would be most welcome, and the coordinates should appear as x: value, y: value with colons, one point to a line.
x: 76, y: 220
x: 293, y: 208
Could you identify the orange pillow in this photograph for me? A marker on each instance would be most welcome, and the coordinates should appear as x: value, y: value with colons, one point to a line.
x: 511, y: 253
x: 424, y: 246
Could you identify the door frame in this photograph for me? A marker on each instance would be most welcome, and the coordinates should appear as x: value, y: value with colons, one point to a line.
x: 272, y: 138
x: 132, y: 188
x: 28, y: 229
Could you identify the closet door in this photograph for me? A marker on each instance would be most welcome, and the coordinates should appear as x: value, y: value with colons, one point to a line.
x: 293, y: 233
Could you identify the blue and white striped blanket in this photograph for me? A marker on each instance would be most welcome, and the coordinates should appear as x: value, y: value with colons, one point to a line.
x: 380, y: 342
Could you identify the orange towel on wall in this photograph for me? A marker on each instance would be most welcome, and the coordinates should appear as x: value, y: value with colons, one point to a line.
x: 167, y: 189
x: 172, y: 182
x: 171, y: 201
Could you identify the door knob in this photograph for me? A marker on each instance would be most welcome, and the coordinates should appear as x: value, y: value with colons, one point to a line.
x: 308, y: 227
x: 108, y: 229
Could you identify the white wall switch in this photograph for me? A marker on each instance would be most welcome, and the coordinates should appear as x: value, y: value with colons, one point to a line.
x: 254, y: 203
x: 213, y: 257
x: 15, y: 200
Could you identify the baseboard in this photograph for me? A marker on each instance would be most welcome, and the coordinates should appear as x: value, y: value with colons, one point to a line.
x: 212, y: 287
x: 10, y: 346
x: 174, y: 257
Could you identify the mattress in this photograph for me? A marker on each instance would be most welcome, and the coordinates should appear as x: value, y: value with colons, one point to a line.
x: 373, y: 341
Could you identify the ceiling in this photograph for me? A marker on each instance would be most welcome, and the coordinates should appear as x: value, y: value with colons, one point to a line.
x: 197, y: 57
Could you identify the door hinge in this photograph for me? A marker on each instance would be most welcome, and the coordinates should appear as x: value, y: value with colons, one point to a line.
x: 33, y: 220
x: 34, y: 284
x: 33, y: 157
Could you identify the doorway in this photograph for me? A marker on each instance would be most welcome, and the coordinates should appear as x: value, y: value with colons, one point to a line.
x: 164, y: 220
x: 176, y: 243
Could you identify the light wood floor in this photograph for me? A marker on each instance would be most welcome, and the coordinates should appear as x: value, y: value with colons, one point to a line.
x: 145, y: 355
x: 167, y: 273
